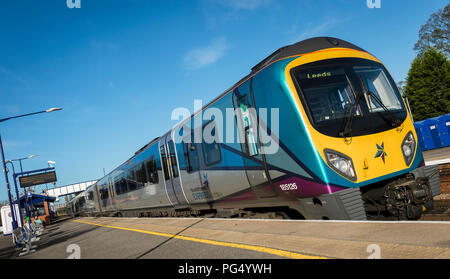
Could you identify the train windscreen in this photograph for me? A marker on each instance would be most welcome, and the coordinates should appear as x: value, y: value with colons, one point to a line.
x: 333, y: 91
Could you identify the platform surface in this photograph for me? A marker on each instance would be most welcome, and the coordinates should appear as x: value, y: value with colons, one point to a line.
x: 184, y: 238
x: 437, y: 156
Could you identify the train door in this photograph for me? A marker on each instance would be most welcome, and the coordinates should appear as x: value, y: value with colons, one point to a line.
x: 171, y: 171
x: 112, y: 193
x: 97, y: 199
x: 192, y: 178
x: 247, y: 126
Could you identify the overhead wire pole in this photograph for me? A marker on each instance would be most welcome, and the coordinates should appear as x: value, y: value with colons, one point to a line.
x: 13, y: 215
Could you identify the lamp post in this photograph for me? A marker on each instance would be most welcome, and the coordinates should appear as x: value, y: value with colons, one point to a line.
x: 17, y: 192
x: 14, y: 221
x: 13, y: 215
x: 20, y: 161
x: 27, y: 209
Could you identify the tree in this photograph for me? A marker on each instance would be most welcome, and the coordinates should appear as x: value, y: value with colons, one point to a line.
x: 435, y: 33
x: 401, y: 86
x: 428, y: 85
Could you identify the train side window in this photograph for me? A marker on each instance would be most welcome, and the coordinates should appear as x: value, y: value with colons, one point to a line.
x: 116, y: 186
x: 123, y: 184
x: 152, y: 171
x: 141, y: 177
x: 173, y: 159
x: 131, y: 180
x: 191, y: 157
x: 120, y: 184
x: 82, y: 203
x: 164, y: 163
x: 90, y: 196
x: 211, y: 151
x: 104, y: 194
x: 245, y: 114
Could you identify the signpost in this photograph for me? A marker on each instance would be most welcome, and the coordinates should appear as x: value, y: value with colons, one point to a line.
x: 37, y: 179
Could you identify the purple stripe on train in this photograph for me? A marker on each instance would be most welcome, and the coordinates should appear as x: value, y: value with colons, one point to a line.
x: 293, y: 185
x: 304, y: 188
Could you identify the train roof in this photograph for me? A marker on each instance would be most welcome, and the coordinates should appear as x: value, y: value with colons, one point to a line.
x: 302, y: 47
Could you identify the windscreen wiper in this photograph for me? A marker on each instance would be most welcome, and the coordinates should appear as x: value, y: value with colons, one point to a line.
x: 394, y: 121
x: 348, y: 119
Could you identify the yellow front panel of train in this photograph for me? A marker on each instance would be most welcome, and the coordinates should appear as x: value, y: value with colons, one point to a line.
x: 373, y: 155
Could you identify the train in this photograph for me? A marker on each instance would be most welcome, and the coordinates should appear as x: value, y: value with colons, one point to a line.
x: 317, y: 130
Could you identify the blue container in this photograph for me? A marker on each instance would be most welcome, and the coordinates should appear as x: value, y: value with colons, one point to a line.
x: 443, y: 125
x: 418, y: 126
x: 430, y: 133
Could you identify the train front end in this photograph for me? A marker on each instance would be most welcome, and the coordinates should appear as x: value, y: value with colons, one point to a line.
x: 363, y: 134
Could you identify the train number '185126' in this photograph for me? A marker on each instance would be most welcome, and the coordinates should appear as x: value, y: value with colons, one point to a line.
x: 289, y: 186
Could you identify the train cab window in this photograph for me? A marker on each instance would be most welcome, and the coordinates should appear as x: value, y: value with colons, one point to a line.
x: 327, y: 93
x: 211, y: 151
x: 349, y: 96
x: 152, y: 171
x: 375, y: 81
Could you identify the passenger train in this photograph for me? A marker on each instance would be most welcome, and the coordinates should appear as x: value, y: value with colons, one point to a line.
x: 346, y: 148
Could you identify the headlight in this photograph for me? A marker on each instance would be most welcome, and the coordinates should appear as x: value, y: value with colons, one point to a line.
x: 408, y: 148
x: 341, y: 163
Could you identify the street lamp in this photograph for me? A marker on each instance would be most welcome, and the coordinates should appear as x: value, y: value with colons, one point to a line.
x: 21, y: 159
x: 53, y: 109
x: 14, y: 220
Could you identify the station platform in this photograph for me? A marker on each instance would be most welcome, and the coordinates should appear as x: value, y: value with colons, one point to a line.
x: 188, y: 238
x: 437, y: 156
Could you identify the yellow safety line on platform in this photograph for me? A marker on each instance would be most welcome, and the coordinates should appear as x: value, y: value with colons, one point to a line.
x: 261, y: 249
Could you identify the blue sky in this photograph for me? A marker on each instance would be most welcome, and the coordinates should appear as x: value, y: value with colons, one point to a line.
x: 119, y: 67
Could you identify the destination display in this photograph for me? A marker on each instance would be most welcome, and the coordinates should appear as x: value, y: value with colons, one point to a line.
x: 37, y: 179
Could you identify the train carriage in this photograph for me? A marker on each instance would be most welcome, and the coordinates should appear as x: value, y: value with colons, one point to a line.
x: 317, y: 130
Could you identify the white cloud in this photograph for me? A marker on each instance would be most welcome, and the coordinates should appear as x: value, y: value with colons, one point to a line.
x: 207, y: 55
x: 315, y: 30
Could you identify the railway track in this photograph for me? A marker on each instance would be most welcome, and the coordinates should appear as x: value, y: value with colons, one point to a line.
x: 441, y: 211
